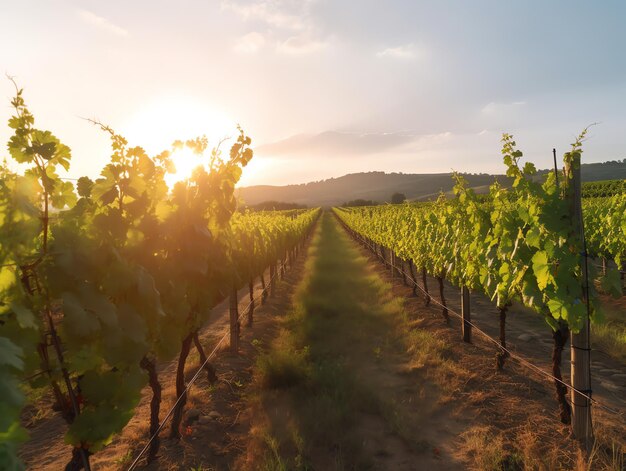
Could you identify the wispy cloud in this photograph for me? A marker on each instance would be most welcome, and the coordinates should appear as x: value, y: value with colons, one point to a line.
x: 285, y: 14
x: 493, y: 107
x: 301, y: 44
x: 250, y: 43
x: 346, y: 144
x: 406, y: 51
x: 101, y: 23
x: 288, y: 24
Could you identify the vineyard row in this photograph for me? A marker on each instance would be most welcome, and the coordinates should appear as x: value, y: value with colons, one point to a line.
x: 525, y: 244
x: 103, y: 280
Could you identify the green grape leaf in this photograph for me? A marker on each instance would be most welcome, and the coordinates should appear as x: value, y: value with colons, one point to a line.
x: 558, y: 309
x: 533, y: 237
x: 87, y: 358
x: 25, y: 317
x: 99, y: 305
x: 611, y: 283
x: 77, y: 320
x: 84, y: 185
x: 10, y: 354
x: 541, y: 268
x: 109, y: 196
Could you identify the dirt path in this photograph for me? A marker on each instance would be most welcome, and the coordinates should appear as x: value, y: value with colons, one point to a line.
x: 339, y: 388
x: 46, y: 450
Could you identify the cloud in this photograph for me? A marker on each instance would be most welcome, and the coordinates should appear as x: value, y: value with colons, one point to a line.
x: 301, y: 44
x: 334, y: 143
x: 493, y: 107
x: 404, y: 52
x: 102, y: 23
x: 284, y: 14
x: 289, y: 25
x: 250, y: 43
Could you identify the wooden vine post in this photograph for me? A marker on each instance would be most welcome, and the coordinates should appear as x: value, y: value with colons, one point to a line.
x: 412, y: 272
x: 149, y: 365
x: 264, y: 289
x: 272, y: 282
x: 403, y: 273
x: 442, y: 296
x: 580, y: 349
x: 234, y: 320
x: 251, y: 308
x: 465, y: 314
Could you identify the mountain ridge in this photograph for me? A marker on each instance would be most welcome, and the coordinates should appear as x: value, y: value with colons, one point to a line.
x: 379, y: 186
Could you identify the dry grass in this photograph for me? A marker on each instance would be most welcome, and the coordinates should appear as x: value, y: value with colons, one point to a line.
x: 610, y: 335
x: 513, y: 416
x: 285, y: 366
x: 320, y: 395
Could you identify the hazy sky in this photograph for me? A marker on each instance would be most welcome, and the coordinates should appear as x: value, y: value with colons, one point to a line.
x: 324, y: 87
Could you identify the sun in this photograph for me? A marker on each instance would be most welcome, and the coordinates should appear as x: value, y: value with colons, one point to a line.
x: 185, y: 162
x: 165, y: 119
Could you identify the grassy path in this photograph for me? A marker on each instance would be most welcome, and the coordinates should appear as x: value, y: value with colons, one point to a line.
x: 338, y: 388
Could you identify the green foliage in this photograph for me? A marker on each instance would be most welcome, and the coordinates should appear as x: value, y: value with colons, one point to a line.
x: 398, y: 198
x: 123, y: 268
x: 604, y: 188
x: 276, y: 206
x: 283, y: 369
x: 360, y: 202
x: 605, y: 227
x: 517, y: 244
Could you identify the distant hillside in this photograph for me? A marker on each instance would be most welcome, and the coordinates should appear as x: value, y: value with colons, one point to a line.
x: 379, y: 186
x: 613, y: 170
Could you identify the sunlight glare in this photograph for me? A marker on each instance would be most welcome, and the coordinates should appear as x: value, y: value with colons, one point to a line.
x: 167, y: 119
x: 185, y: 161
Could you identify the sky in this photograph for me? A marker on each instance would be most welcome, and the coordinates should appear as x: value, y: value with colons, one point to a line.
x: 323, y: 87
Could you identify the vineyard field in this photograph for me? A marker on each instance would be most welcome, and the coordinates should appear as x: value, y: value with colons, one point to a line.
x: 278, y: 235
x: 144, y: 319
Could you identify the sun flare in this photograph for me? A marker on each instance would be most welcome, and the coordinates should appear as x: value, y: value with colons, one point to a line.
x: 166, y: 119
x: 185, y: 161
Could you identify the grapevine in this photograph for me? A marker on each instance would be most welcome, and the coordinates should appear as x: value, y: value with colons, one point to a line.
x: 516, y: 245
x: 102, y: 281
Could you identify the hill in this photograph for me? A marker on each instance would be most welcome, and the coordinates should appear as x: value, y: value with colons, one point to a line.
x: 379, y: 186
x: 612, y: 170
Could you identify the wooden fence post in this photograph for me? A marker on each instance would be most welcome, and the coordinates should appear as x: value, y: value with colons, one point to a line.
x: 466, y: 314
x: 264, y: 288
x: 403, y: 273
x: 580, y: 349
x: 272, y: 281
x: 413, y: 273
x: 251, y: 309
x: 425, y: 283
x: 234, y: 320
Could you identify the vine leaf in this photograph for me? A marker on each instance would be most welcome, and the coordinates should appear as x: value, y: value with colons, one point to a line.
x: 611, y: 283
x: 541, y: 268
